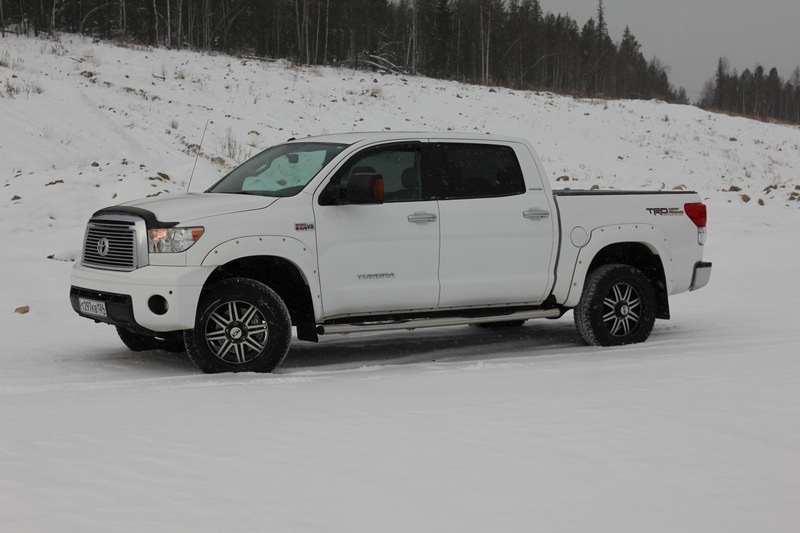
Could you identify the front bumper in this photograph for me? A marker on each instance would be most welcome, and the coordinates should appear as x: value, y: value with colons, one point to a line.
x: 154, y: 298
x: 701, y: 275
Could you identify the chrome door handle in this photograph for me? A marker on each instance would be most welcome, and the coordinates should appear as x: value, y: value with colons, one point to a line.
x: 536, y: 213
x: 420, y: 217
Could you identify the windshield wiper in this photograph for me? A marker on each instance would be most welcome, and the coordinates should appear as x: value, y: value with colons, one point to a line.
x: 269, y: 194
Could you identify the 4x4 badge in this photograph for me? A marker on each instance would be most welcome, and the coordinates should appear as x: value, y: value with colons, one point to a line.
x: 304, y: 227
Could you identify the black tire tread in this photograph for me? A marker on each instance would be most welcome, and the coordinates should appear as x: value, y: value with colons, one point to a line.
x: 588, y: 318
x: 280, y: 331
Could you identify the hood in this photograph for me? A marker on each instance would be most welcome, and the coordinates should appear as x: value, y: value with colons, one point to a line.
x: 184, y: 208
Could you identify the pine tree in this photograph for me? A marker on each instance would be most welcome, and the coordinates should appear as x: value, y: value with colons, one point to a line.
x: 720, y: 80
x: 602, y: 27
x: 631, y: 66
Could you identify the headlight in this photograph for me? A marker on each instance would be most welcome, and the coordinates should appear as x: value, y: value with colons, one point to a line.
x: 171, y: 240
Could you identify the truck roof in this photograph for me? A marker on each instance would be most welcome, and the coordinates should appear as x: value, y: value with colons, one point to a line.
x: 371, y: 136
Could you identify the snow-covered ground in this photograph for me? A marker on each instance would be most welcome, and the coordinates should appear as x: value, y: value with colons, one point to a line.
x: 456, y: 429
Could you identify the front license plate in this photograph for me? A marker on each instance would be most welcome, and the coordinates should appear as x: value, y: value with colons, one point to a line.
x: 92, y: 307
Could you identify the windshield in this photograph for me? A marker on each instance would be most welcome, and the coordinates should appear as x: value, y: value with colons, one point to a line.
x: 282, y: 170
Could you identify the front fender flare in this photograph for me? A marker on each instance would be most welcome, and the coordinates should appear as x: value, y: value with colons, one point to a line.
x: 288, y: 248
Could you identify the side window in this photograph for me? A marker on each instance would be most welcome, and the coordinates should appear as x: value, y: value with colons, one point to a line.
x: 398, y: 165
x: 460, y: 170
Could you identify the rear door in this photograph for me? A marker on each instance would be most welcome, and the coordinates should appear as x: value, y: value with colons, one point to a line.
x: 496, y: 228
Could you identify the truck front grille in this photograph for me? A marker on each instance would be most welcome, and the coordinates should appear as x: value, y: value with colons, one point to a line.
x: 112, y: 243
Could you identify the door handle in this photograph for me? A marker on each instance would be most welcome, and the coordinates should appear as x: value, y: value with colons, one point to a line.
x: 421, y: 217
x: 537, y: 213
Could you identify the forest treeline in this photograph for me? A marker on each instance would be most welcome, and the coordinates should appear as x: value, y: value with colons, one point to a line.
x: 753, y: 93
x: 501, y: 42
x: 511, y: 43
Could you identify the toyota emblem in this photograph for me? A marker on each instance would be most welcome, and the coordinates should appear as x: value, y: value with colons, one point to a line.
x: 102, y: 247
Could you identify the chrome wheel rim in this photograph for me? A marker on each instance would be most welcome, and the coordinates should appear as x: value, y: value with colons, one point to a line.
x: 236, y: 332
x: 622, y: 310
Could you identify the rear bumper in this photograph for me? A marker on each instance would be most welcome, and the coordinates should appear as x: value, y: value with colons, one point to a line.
x: 701, y: 275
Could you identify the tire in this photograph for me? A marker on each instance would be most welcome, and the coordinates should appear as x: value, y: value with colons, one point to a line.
x: 137, y: 342
x: 617, y: 307
x: 242, y: 326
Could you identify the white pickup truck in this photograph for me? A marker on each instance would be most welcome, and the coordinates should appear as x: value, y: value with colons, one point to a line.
x: 377, y: 231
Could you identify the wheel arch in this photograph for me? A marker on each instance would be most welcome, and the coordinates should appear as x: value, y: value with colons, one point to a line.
x: 281, y: 275
x: 648, y: 255
x: 640, y: 256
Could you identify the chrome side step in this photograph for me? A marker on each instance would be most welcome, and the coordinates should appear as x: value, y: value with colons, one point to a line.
x: 418, y: 323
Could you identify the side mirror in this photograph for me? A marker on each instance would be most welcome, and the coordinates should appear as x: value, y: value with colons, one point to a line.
x: 365, y: 189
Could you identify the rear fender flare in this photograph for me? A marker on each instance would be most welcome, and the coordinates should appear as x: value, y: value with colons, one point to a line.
x: 650, y: 236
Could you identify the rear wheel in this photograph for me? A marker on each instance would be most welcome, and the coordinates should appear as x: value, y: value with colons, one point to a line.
x: 617, y: 307
x: 242, y: 326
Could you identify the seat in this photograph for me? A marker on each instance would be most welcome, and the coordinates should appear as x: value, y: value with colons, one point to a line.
x: 409, y: 179
x: 363, y: 170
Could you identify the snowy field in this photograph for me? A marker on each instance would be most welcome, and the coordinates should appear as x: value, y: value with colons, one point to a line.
x: 455, y: 429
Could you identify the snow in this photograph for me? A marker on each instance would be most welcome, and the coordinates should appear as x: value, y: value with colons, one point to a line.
x: 454, y: 429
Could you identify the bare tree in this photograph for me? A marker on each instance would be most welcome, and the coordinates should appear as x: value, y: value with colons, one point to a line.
x: 302, y: 16
x: 179, y: 29
x: 53, y: 19
x: 413, y: 40
x: 327, y: 28
x: 87, y: 15
x: 207, y: 24
x: 2, y: 20
x: 190, y: 22
x: 169, y: 26
x: 155, y: 20
x: 316, y: 31
x: 486, y: 41
x: 123, y: 17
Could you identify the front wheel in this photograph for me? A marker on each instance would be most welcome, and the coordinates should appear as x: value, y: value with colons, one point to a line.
x: 242, y: 326
x: 618, y: 306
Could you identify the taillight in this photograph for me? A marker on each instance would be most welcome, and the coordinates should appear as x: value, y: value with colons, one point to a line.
x: 698, y: 214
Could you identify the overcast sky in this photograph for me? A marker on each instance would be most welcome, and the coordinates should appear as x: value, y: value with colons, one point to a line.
x: 690, y: 36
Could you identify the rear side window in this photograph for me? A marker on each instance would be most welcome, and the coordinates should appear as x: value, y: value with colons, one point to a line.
x: 461, y: 170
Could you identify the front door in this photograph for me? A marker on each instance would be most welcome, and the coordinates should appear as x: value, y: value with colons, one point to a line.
x: 379, y: 258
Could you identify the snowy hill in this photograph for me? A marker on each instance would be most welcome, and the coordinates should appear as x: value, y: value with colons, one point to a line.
x: 445, y: 430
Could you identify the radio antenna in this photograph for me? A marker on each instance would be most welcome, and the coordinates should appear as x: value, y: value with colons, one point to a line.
x: 197, y: 156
